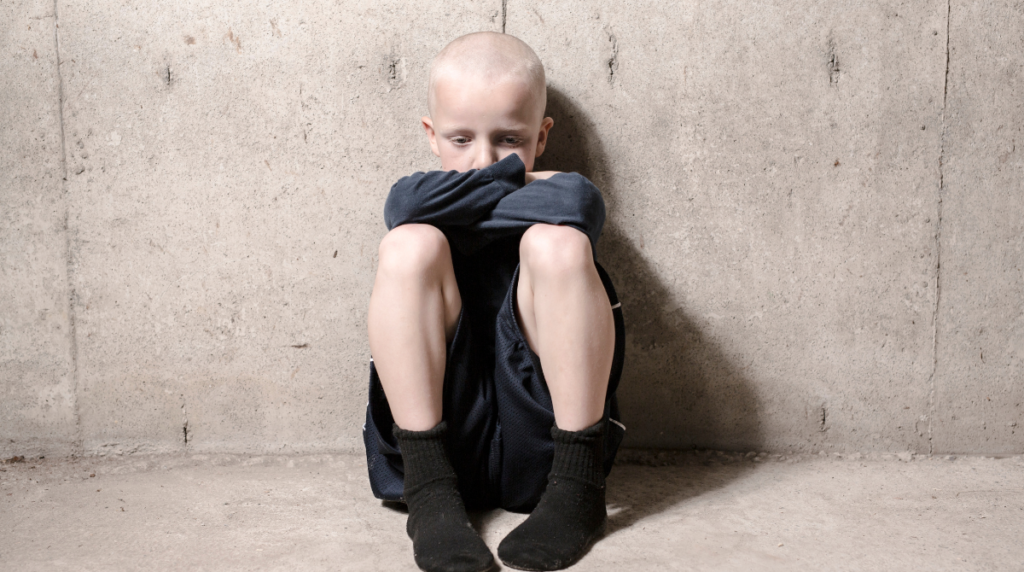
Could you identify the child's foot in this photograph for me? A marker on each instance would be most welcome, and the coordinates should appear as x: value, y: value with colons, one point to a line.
x: 571, y: 512
x: 443, y: 540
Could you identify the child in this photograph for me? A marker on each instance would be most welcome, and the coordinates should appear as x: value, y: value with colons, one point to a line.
x: 497, y: 340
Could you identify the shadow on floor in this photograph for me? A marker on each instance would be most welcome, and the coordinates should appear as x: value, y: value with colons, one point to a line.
x: 678, y: 390
x: 648, y: 484
x: 637, y: 491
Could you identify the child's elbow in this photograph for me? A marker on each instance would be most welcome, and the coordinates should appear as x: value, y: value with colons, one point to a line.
x: 403, y: 207
x: 393, y: 212
x: 591, y: 203
x: 588, y: 207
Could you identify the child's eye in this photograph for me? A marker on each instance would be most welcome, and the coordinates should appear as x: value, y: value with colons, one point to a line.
x: 460, y: 140
x: 512, y: 141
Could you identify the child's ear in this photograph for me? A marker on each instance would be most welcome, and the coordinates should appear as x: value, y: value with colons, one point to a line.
x: 428, y: 126
x: 542, y: 136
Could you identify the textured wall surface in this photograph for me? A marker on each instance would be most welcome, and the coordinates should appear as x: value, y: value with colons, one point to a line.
x: 814, y: 214
x: 227, y: 167
x: 37, y: 393
x: 774, y: 200
x: 979, y: 383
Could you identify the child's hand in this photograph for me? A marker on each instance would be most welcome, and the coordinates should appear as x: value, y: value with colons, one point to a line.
x: 540, y: 175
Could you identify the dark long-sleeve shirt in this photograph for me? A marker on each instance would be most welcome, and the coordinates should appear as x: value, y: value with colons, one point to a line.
x: 477, y: 207
x: 484, y: 213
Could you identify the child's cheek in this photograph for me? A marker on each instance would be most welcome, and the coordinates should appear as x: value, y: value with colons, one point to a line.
x: 527, y: 159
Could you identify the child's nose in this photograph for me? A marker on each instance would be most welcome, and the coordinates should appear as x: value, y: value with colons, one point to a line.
x: 486, y: 156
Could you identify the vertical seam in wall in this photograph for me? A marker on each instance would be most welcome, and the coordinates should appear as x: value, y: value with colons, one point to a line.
x: 504, y: 14
x: 938, y: 243
x: 77, y: 447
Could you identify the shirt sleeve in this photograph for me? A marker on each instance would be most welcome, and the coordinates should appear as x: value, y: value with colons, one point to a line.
x: 449, y: 199
x: 564, y: 199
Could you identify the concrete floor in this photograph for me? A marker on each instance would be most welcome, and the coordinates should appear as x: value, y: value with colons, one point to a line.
x: 684, y: 511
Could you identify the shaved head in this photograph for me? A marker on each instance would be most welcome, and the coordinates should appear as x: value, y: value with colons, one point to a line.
x: 491, y: 57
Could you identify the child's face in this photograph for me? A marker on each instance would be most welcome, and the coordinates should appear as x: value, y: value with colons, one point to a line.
x: 476, y: 123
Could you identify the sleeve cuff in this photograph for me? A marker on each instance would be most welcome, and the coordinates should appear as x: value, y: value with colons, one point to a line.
x: 510, y: 172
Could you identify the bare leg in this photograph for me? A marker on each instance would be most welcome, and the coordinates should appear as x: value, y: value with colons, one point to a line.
x: 567, y: 320
x: 413, y: 312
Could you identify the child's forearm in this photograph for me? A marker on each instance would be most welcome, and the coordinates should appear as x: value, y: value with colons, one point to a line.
x: 477, y: 207
x: 451, y: 199
x: 567, y: 199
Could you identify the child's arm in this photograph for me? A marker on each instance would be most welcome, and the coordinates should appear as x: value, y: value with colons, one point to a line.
x: 448, y: 199
x: 562, y: 199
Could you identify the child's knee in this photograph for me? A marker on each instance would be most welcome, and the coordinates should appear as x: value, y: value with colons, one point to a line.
x: 413, y: 249
x: 556, y: 250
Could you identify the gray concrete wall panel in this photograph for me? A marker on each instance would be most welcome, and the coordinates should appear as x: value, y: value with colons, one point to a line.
x: 37, y: 392
x: 228, y: 165
x: 772, y: 175
x: 979, y: 382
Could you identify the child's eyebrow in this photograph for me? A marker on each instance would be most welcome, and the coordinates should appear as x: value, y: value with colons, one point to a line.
x: 517, y: 128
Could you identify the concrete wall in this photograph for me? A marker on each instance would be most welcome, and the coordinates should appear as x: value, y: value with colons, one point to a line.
x: 37, y: 381
x: 979, y: 379
x: 815, y: 215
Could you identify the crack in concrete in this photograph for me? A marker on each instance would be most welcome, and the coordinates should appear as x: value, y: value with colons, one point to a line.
x: 938, y: 244
x: 613, y: 61
x: 833, y: 64
x: 504, y: 14
x: 184, y: 423
x: 77, y: 447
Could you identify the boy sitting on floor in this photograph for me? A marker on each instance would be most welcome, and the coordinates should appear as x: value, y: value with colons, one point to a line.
x: 497, y: 340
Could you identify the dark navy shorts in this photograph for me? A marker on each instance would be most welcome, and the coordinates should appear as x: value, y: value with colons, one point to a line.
x: 498, y: 412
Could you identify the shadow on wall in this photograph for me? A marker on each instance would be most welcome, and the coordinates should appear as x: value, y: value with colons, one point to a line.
x: 678, y: 391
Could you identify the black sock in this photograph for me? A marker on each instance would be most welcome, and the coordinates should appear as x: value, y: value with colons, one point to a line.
x: 571, y: 512
x: 443, y: 540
